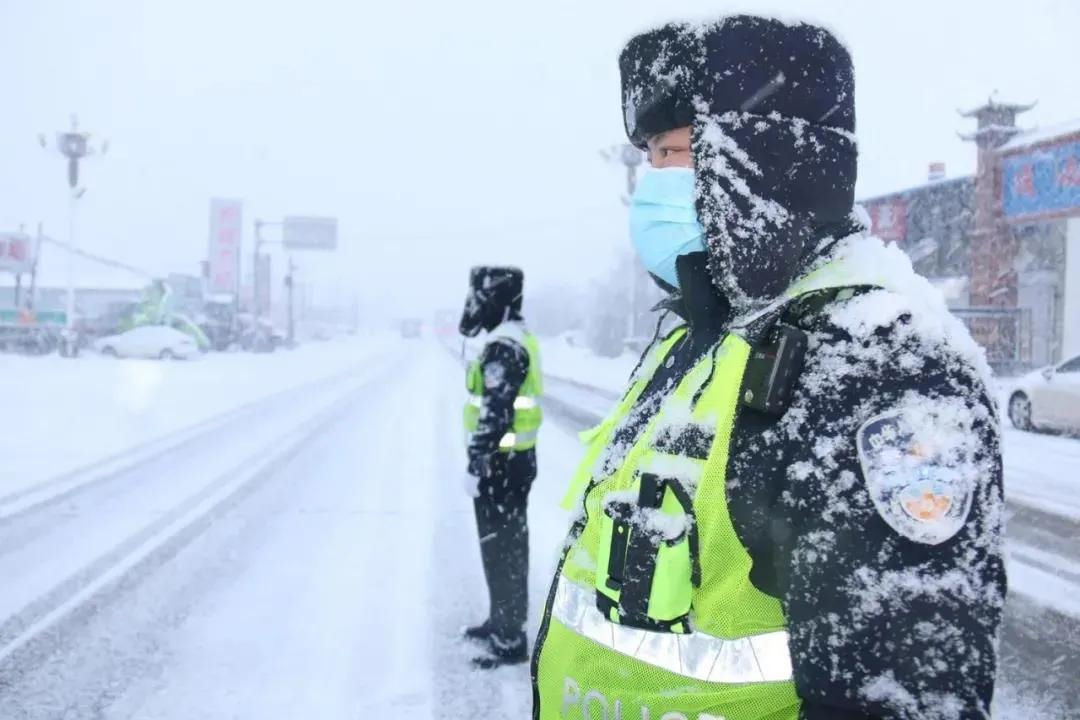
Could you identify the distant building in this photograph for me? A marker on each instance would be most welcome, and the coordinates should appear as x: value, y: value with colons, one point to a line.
x: 1004, y: 245
x: 187, y: 293
x: 932, y: 223
x: 89, y: 302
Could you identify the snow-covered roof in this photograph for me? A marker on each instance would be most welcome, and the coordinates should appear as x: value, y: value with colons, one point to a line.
x: 1038, y: 135
x: 913, y: 188
x: 992, y: 104
x: 53, y: 273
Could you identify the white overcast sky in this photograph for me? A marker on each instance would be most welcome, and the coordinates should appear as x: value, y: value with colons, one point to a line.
x: 441, y: 134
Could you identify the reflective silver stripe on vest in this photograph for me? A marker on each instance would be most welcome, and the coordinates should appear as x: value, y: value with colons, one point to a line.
x: 754, y: 659
x: 521, y: 402
x: 510, y: 439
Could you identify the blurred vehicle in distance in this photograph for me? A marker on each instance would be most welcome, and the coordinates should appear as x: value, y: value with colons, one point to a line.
x: 218, y: 321
x: 1048, y: 399
x: 446, y: 323
x: 148, y: 341
x: 117, y: 318
x: 411, y: 328
x: 188, y: 326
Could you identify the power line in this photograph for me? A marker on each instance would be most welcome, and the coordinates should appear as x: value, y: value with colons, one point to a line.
x: 98, y: 258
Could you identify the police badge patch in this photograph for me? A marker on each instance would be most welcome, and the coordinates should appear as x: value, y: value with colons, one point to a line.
x: 919, y: 481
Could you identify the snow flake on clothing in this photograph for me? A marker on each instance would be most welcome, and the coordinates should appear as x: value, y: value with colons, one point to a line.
x: 494, y: 375
x: 886, y: 690
x: 653, y: 522
x: 906, y: 295
x: 892, y: 502
x: 504, y: 366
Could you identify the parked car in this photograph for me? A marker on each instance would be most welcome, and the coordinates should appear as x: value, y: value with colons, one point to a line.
x: 186, y: 325
x: 1048, y: 399
x: 150, y: 341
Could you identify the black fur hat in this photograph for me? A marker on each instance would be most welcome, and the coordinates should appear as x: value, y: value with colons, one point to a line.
x: 494, y: 296
x: 771, y: 108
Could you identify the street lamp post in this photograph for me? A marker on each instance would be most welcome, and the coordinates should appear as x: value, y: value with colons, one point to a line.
x: 255, y: 272
x: 290, y: 283
x: 631, y: 158
x: 75, y: 146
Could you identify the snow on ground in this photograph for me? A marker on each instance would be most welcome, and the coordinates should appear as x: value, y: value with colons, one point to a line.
x: 579, y: 364
x: 335, y: 587
x: 1041, y: 470
x: 64, y: 414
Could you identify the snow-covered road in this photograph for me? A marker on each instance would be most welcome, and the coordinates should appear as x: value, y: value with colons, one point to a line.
x: 323, y: 569
x: 320, y: 563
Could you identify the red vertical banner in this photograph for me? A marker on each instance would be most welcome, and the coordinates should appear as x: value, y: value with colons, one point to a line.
x: 223, y: 257
x: 16, y: 252
x: 889, y: 220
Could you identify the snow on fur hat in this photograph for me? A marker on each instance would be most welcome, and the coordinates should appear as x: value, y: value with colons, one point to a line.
x: 494, y: 294
x: 772, y: 112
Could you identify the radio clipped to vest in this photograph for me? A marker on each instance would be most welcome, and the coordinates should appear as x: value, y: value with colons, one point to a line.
x: 773, y: 368
x: 647, y: 559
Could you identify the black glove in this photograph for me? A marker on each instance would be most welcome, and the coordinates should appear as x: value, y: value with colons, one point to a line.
x: 485, y: 466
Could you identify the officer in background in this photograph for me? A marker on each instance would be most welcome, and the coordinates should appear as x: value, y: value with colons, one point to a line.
x: 502, y: 419
x: 795, y: 511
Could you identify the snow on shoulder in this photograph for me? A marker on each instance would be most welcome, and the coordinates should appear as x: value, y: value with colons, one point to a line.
x: 903, y: 293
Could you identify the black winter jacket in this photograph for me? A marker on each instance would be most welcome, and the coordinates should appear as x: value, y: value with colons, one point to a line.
x: 504, y: 366
x: 880, y: 626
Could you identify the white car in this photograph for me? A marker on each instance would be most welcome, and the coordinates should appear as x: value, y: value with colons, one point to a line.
x: 148, y: 341
x: 1048, y: 399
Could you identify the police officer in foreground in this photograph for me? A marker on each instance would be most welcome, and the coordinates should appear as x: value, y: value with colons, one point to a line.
x: 502, y: 419
x: 795, y: 511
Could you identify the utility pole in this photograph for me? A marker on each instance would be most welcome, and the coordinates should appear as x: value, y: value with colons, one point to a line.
x: 75, y: 146
x: 18, y: 276
x: 298, y: 233
x: 259, y: 242
x: 257, y: 245
x: 289, y: 285
x: 32, y: 293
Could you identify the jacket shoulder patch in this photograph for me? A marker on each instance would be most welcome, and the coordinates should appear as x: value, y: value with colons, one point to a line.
x: 494, y: 375
x: 919, y: 465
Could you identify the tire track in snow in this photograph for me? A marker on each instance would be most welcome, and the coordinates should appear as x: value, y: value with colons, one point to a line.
x: 156, y: 543
x: 71, y: 484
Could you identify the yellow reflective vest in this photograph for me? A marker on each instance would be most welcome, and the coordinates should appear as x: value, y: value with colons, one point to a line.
x: 527, y: 413
x: 652, y: 614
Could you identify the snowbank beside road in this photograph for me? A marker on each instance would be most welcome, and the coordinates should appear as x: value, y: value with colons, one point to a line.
x: 580, y: 365
x: 64, y: 414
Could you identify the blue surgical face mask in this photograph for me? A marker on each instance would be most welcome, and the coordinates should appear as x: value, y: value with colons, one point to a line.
x: 664, y: 222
